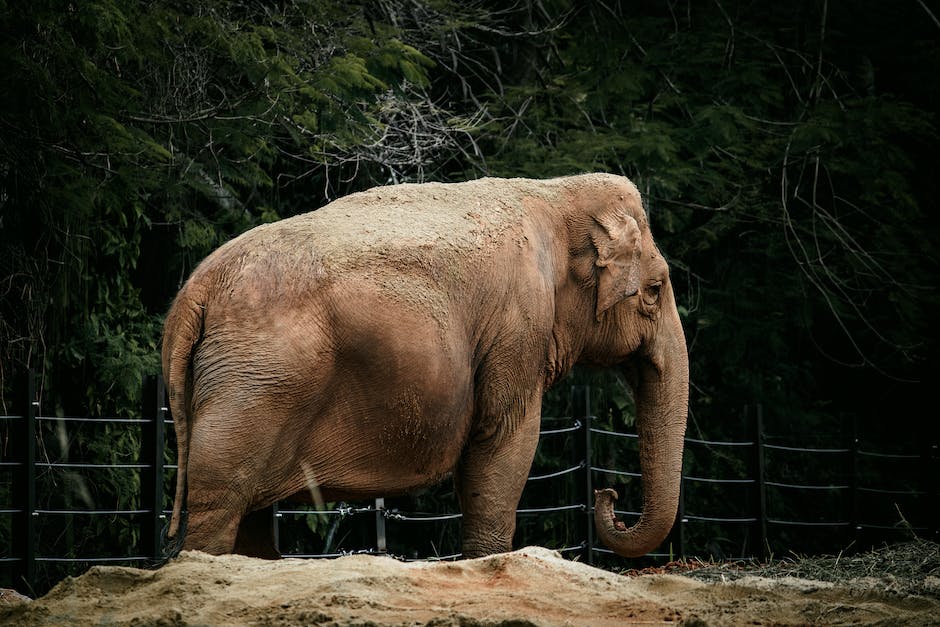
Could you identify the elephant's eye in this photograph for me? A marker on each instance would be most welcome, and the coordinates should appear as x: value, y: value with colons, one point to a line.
x: 651, y: 293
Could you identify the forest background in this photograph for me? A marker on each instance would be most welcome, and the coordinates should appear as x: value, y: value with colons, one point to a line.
x: 786, y: 152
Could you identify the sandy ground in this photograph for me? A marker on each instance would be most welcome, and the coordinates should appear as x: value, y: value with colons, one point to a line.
x: 532, y: 586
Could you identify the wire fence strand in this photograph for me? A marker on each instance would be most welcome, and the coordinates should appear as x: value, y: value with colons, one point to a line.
x: 763, y: 481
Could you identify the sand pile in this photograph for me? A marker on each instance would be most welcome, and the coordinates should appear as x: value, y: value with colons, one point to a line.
x: 532, y: 586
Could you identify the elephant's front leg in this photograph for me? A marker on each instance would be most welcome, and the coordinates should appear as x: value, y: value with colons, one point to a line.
x: 489, y: 482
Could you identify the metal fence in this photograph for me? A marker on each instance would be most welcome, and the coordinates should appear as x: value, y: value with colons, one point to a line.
x: 764, y: 508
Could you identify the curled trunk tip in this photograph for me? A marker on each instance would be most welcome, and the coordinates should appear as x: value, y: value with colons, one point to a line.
x: 604, y: 510
x: 636, y: 541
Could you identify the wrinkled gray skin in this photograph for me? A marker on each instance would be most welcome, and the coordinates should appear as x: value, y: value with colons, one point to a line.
x: 406, y: 333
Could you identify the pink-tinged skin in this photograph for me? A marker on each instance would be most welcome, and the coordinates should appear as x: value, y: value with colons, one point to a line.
x: 407, y: 333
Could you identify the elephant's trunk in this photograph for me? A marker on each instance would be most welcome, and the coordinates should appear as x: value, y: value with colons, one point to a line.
x: 661, y: 388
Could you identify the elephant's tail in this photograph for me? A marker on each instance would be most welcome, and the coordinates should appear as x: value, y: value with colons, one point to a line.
x: 182, y: 332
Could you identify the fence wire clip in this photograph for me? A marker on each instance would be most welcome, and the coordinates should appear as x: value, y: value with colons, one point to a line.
x: 347, y: 510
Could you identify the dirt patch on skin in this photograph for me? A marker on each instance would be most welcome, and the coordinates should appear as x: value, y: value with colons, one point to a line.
x: 532, y: 586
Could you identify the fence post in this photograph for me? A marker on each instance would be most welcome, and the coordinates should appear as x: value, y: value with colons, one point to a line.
x: 381, y: 542
x: 932, y: 481
x: 855, y: 527
x: 24, y: 490
x: 276, y: 525
x: 761, y: 514
x: 152, y: 440
x: 680, y: 520
x: 581, y: 405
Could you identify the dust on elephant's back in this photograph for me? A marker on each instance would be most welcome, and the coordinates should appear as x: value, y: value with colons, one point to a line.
x: 421, y: 227
x: 393, y: 224
x: 405, y: 241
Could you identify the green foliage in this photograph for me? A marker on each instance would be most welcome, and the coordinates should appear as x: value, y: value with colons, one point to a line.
x: 782, y: 188
x: 786, y: 155
x: 133, y: 122
x: 135, y: 137
x: 784, y: 169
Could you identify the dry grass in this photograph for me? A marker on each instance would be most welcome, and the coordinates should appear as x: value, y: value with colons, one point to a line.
x: 905, y: 568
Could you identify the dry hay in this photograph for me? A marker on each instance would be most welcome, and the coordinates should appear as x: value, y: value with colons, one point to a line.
x: 909, y: 568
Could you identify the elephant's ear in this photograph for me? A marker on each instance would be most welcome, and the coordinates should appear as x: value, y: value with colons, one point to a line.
x: 616, y: 238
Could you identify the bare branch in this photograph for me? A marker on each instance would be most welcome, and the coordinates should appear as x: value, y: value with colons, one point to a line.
x: 929, y: 13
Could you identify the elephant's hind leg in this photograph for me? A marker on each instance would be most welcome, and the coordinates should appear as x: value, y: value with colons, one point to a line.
x: 211, y: 529
x: 219, y: 491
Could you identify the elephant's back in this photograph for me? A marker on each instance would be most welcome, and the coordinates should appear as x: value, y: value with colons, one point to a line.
x: 398, y: 222
x: 438, y: 230
x: 404, y: 227
x: 471, y: 218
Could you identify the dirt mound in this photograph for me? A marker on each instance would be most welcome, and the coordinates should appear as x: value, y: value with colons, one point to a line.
x: 532, y: 586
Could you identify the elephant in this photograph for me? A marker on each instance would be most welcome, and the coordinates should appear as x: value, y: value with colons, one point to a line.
x: 405, y: 334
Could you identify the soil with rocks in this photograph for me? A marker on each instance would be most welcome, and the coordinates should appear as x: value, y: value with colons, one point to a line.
x: 896, y: 585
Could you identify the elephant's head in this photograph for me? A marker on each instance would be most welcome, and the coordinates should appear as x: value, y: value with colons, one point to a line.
x: 635, y: 327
